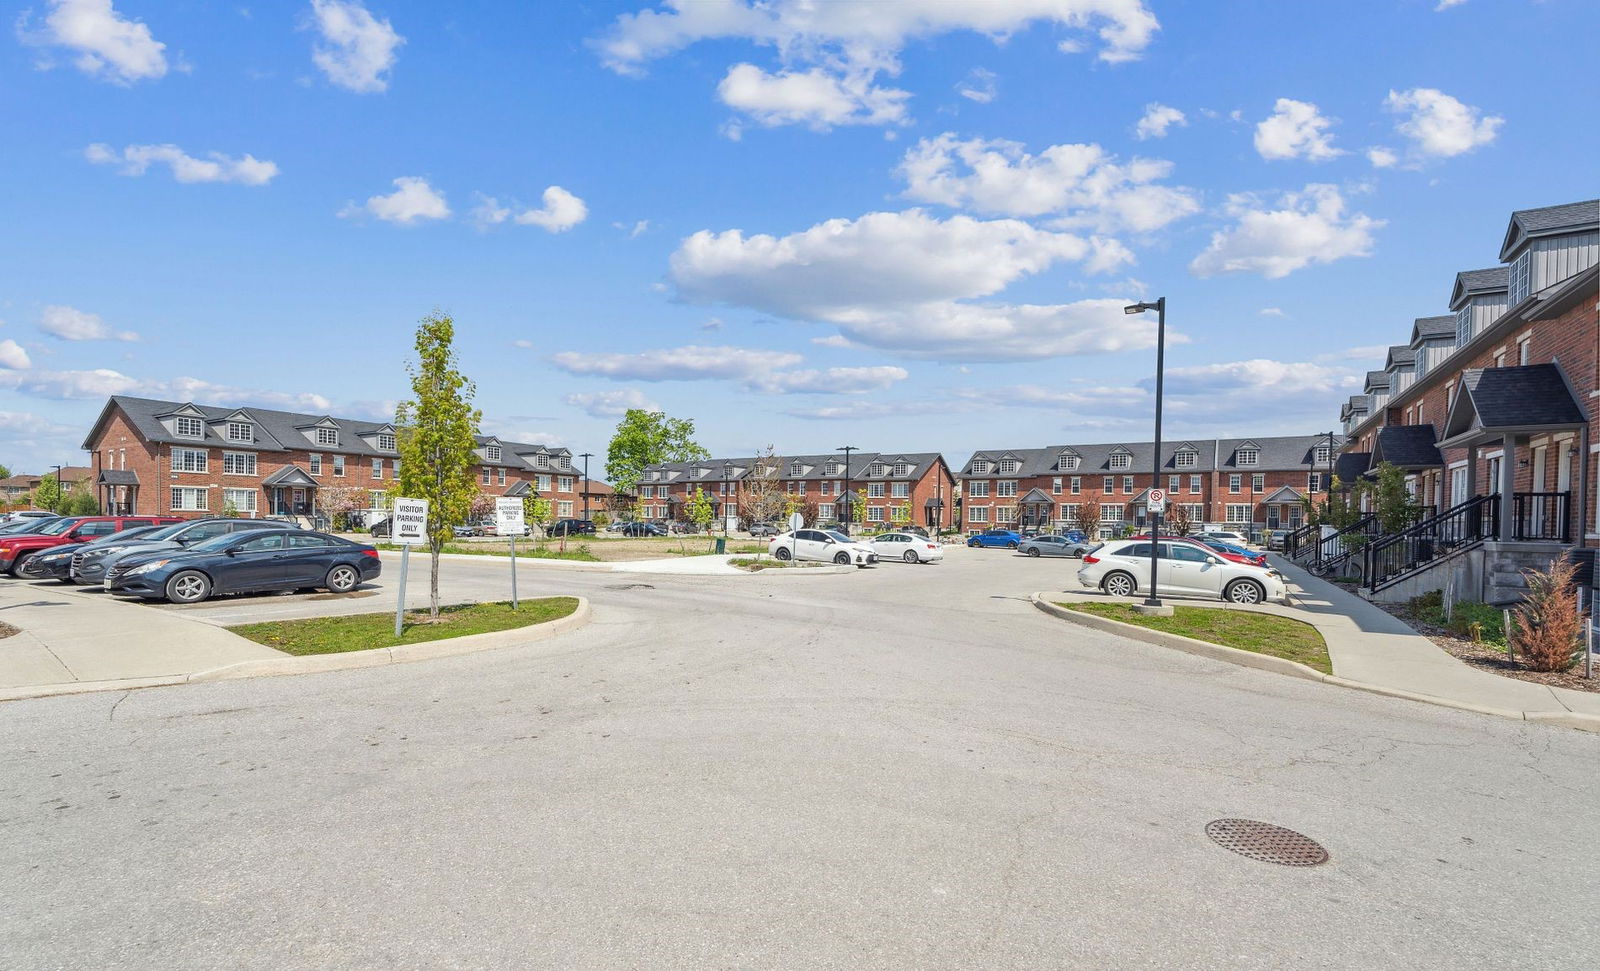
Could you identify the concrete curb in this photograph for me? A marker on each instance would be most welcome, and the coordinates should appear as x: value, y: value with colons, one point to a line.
x: 1263, y: 662
x: 275, y: 667
x: 832, y: 569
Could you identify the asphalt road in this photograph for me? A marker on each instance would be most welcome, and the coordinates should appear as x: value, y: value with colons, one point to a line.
x: 901, y: 768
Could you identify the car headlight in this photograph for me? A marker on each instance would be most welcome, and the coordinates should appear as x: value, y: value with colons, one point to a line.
x: 104, y: 551
x: 147, y: 567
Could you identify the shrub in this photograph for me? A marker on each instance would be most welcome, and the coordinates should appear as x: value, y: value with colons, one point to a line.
x: 1548, y: 628
x: 1469, y: 619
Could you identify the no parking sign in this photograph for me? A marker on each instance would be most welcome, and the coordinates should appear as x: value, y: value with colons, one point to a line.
x: 1158, y: 500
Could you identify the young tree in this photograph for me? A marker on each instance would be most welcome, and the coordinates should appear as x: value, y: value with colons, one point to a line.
x: 339, y: 502
x: 48, y: 495
x: 1548, y: 628
x: 762, y: 497
x: 80, y: 502
x: 536, y: 511
x: 1088, y: 519
x: 900, y: 515
x: 436, y: 436
x: 1178, y: 521
x: 699, y: 511
x: 1391, y: 500
x: 646, y: 438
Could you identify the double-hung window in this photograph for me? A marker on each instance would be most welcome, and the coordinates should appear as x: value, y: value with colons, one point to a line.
x: 978, y: 514
x: 1194, y: 483
x: 189, y: 427
x: 1238, y: 512
x: 238, y: 463
x: 338, y: 466
x: 1174, y: 482
x: 874, y: 490
x: 190, y: 460
x: 242, y: 500
x: 483, y: 475
x: 543, y: 482
x: 1076, y: 484
x: 1109, y: 484
x: 900, y: 490
x: 1235, y: 482
x: 377, y: 468
x: 1111, y: 512
x: 1127, y: 483
x: 1005, y: 488
x: 978, y: 489
x: 185, y: 499
x: 1055, y: 485
x: 314, y: 460
x: 1258, y: 483
x: 565, y: 483
x: 500, y: 475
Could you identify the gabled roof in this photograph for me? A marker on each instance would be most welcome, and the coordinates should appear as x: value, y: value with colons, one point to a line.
x: 289, y: 475
x: 1501, y: 400
x: 1471, y: 283
x: 1407, y: 447
x: 1559, y: 220
x: 1286, y: 452
x: 1350, y: 466
x: 1284, y: 494
x: 1376, y: 380
x: 518, y: 489
x: 1037, y: 495
x: 812, y: 467
x: 117, y: 477
x: 1433, y: 328
x: 1356, y: 402
x: 1400, y: 356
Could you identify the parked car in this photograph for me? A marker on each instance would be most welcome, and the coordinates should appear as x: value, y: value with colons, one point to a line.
x: 92, y: 565
x: 643, y: 529
x: 22, y: 515
x: 819, y: 544
x: 1224, y: 536
x: 991, y: 538
x: 907, y: 546
x: 17, y: 548
x: 379, y: 528
x: 1053, y: 545
x: 1234, y: 554
x: 764, y: 529
x: 32, y: 524
x: 1122, y: 568
x: 1276, y: 538
x: 467, y: 529
x: 264, y: 559
x: 572, y: 527
x: 56, y: 564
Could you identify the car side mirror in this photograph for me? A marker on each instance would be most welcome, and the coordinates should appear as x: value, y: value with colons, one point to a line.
x: 233, y: 551
x: 1216, y: 561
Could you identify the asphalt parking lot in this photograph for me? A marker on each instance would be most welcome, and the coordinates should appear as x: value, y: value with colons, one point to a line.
x: 899, y: 767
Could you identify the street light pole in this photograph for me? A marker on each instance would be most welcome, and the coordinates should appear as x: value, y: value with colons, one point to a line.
x: 845, y: 498
x: 727, y: 473
x: 586, y: 456
x: 1160, y: 307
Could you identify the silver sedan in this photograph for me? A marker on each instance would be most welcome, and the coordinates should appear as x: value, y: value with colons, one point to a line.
x: 1055, y: 546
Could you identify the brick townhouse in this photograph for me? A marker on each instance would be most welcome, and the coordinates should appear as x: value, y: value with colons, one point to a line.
x: 153, y: 457
x: 881, y: 482
x: 1253, y: 483
x: 1497, y: 402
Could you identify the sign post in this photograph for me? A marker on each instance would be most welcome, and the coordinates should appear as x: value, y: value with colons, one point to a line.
x: 508, y: 522
x: 408, y: 526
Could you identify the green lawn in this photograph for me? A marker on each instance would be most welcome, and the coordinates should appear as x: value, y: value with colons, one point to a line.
x: 752, y: 564
x: 525, y: 550
x: 1246, y: 630
x: 363, y: 632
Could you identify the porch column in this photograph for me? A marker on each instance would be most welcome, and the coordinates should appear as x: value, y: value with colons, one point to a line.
x: 1508, y: 486
x: 1472, y: 473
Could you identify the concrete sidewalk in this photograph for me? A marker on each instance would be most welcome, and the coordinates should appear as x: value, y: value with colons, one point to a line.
x: 1369, y: 645
x: 70, y: 637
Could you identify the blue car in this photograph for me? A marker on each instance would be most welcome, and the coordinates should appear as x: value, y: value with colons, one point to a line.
x: 261, y: 559
x: 1003, y: 538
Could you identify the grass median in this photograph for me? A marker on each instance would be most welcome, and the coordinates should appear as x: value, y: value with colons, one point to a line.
x: 579, y: 552
x: 364, y: 632
x: 1246, y: 630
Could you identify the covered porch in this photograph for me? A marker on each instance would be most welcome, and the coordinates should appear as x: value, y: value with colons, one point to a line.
x: 118, y: 492
x: 1035, y: 511
x: 1286, y: 508
x: 290, y: 492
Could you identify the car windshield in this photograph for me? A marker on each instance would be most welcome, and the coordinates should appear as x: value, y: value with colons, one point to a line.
x: 838, y: 536
x: 217, y: 544
x: 32, y: 524
x: 57, y: 527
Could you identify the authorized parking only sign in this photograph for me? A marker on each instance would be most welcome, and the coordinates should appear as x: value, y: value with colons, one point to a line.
x: 410, y: 521
x: 508, y: 519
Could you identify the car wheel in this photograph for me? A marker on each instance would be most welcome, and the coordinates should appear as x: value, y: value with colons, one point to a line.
x: 782, y: 553
x: 188, y: 587
x: 972, y: 544
x: 1011, y: 546
x: 843, y: 559
x: 342, y: 579
x: 19, y: 568
x: 1118, y: 585
x: 1244, y: 592
x: 1033, y: 551
x: 911, y: 556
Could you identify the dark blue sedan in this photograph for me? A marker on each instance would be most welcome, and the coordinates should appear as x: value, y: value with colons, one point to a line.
x: 263, y: 559
x: 1005, y: 538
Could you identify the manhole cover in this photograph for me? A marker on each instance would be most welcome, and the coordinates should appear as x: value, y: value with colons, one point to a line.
x: 630, y: 586
x: 1266, y: 842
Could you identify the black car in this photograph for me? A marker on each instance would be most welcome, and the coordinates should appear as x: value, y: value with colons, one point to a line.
x: 643, y: 529
x: 56, y: 564
x: 96, y: 559
x: 265, y: 559
x: 572, y: 527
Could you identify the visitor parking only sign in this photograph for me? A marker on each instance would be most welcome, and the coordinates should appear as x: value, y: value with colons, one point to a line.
x: 410, y: 521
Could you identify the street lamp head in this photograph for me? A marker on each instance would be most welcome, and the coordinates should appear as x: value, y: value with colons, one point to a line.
x: 1139, y: 308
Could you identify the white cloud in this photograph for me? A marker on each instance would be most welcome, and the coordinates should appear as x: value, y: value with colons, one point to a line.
x: 1382, y: 158
x: 1307, y: 227
x: 413, y: 200
x: 836, y: 380
x: 636, y: 230
x: 864, y: 410
x: 1157, y: 119
x: 815, y: 98
x: 1082, y: 184
x: 1257, y: 377
x: 524, y: 344
x: 23, y: 422
x: 215, y: 167
x: 357, y: 49
x: 689, y: 363
x: 13, y: 357
x: 611, y: 404
x: 979, y: 86
x: 1447, y: 4
x: 1440, y: 126
x: 108, y: 46
x: 1273, y: 312
x: 562, y: 211
x: 104, y: 382
x: 1296, y: 129
x: 970, y: 332
x: 71, y: 324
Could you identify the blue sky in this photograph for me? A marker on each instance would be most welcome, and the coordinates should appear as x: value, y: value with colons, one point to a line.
x: 895, y: 225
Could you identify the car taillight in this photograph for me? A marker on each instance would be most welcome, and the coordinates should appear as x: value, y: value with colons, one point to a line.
x: 1090, y: 558
x: 371, y: 553
x: 932, y: 547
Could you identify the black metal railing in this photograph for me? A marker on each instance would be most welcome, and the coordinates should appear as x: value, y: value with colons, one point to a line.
x: 1388, y: 558
x: 1299, y: 539
x: 1541, y: 516
x: 1333, y: 551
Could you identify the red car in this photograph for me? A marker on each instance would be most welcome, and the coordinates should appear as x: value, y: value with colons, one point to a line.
x: 1228, y: 553
x: 15, y: 549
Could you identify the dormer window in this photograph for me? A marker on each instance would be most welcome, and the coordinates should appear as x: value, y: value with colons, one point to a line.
x: 701, y: 473
x: 542, y: 461
x: 566, y: 463
x: 1009, y: 466
x: 241, y: 431
x: 386, y: 442
x: 1324, y: 455
x: 900, y: 468
x: 1248, y: 456
x: 328, y: 436
x: 831, y: 468
x: 1068, y: 461
x: 1185, y: 459
x: 189, y: 427
x: 875, y: 468
x: 1121, y: 460
x: 492, y: 453
x: 980, y: 467
x: 796, y: 468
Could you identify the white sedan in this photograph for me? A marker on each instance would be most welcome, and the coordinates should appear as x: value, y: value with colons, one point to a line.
x: 908, y: 547
x: 1122, y: 568
x: 821, y: 544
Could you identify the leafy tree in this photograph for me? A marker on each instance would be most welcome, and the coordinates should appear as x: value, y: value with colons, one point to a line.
x: 5, y: 471
x: 900, y: 515
x: 48, y: 494
x: 436, y: 438
x: 762, y: 498
x: 1178, y: 522
x: 1088, y: 519
x: 646, y: 438
x: 339, y: 502
x: 80, y: 502
x: 1391, y: 500
x: 700, y: 512
x: 1343, y: 506
x: 536, y: 509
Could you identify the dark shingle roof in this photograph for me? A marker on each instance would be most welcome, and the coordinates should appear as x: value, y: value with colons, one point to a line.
x: 1350, y: 466
x: 1282, y: 452
x: 1513, y: 397
x: 1549, y: 220
x: 1428, y: 328
x: 1400, y: 355
x: 1468, y: 283
x: 1376, y: 380
x: 1407, y: 446
x: 812, y: 467
x: 118, y: 477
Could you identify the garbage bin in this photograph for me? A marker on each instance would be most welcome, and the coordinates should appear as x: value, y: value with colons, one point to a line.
x: 722, y: 544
